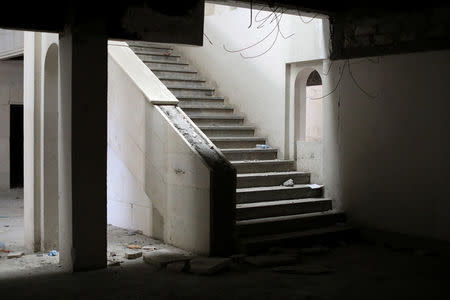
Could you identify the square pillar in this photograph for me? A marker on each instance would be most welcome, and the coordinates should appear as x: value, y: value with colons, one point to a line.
x: 83, y: 145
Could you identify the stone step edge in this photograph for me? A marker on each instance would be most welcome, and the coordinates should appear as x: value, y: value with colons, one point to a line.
x: 288, y: 218
x: 311, y: 186
x: 280, y: 202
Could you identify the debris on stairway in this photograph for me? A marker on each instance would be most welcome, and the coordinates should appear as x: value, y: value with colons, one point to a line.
x: 262, y: 146
x: 162, y: 257
x: 132, y: 246
x: 288, y: 183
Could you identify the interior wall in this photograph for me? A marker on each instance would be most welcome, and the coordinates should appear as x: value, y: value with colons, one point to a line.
x: 254, y: 85
x: 387, y: 158
x: 11, y: 92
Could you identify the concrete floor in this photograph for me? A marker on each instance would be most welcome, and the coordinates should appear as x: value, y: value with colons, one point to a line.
x: 361, y: 271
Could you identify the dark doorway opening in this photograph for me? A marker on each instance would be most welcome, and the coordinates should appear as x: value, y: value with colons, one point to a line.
x: 16, y: 146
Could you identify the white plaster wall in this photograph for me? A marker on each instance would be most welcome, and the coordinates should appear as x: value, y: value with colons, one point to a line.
x: 11, y: 92
x: 387, y: 159
x: 314, y: 115
x: 156, y: 183
x: 310, y: 159
x: 255, y: 87
x: 35, y: 49
x: 11, y: 43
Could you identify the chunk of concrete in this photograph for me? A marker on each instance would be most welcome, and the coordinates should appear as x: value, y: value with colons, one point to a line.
x: 288, y: 183
x: 209, y: 265
x: 304, y: 269
x: 132, y: 254
x: 114, y: 263
x: 160, y: 258
x: 14, y: 255
x: 271, y: 260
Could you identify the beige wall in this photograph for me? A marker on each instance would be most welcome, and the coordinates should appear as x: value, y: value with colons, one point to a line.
x: 156, y: 181
x: 11, y: 92
x: 387, y: 158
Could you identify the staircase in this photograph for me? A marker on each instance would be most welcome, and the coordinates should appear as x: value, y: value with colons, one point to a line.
x: 267, y: 213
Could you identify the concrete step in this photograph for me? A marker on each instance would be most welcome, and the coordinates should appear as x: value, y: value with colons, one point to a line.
x: 143, y: 50
x: 183, y: 82
x: 259, y: 166
x: 201, y: 100
x: 223, y: 119
x: 208, y: 109
x: 281, y: 208
x: 250, y: 154
x: 190, y: 91
x: 303, y: 238
x: 225, y: 130
x: 164, y: 56
x: 175, y: 74
x: 271, y: 178
x: 278, y: 192
x: 285, y: 224
x: 232, y: 142
x: 167, y: 66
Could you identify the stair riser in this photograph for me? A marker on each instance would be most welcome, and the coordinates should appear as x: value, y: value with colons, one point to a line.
x: 272, y: 195
x: 289, y: 225
x: 207, y: 111
x: 147, y: 57
x: 201, y: 101
x: 222, y: 133
x: 236, y: 144
x: 260, y: 155
x: 149, y: 50
x: 211, y: 122
x: 175, y: 75
x: 183, y: 83
x: 172, y: 67
x: 283, y: 210
x: 272, y: 180
x: 258, y: 168
x: 193, y: 93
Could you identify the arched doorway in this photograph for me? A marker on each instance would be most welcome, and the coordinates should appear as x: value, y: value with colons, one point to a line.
x: 49, y: 191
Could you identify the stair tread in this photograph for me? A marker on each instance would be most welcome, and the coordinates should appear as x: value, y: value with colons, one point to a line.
x: 297, y: 234
x: 280, y: 202
x: 167, y: 62
x: 232, y: 150
x: 268, y: 161
x: 287, y: 218
x: 143, y: 45
x: 237, y: 138
x: 272, y: 174
x: 200, y: 97
x: 227, y: 127
x: 181, y: 79
x: 204, y: 106
x: 138, y: 52
x: 182, y: 87
x: 204, y: 116
x: 278, y: 187
x: 173, y: 71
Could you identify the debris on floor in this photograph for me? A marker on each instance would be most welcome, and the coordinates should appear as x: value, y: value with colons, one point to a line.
x: 288, y: 183
x: 132, y: 254
x: 162, y: 257
x: 132, y: 246
x: 3, y: 248
x: 133, y: 232
x: 272, y: 260
x: 304, y: 269
x: 208, y: 265
x: 15, y: 255
x: 114, y: 263
x: 52, y: 253
x: 149, y: 248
